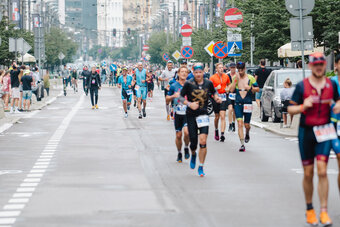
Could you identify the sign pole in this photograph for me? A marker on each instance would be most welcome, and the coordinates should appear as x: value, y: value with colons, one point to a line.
x: 252, y: 42
x: 302, y: 39
x: 211, y: 30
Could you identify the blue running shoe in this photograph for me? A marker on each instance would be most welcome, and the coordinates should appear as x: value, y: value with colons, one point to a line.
x: 186, y: 153
x: 200, y: 171
x: 193, y: 161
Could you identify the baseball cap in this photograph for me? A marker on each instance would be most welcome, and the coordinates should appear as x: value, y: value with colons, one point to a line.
x: 232, y: 64
x: 317, y: 58
x: 198, y: 66
x: 240, y: 65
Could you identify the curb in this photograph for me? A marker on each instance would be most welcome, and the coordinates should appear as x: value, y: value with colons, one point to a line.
x: 269, y: 129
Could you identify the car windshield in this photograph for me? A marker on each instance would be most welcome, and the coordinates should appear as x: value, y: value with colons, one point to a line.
x: 294, y: 76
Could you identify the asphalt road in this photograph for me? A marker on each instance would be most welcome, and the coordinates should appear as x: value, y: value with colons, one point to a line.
x: 69, y: 165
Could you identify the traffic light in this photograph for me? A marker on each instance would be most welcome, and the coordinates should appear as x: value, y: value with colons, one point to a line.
x: 128, y: 31
x: 114, y: 32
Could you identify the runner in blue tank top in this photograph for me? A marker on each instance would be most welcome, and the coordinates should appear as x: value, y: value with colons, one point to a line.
x: 141, y: 89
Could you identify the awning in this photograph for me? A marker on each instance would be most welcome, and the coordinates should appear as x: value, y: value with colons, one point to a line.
x: 27, y: 58
x: 286, y: 51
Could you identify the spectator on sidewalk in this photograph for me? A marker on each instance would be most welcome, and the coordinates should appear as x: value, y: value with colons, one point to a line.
x: 20, y: 107
x: 261, y: 74
x: 27, y: 80
x: 47, y: 82
x: 286, y: 95
x: 15, y: 91
x: 6, y: 87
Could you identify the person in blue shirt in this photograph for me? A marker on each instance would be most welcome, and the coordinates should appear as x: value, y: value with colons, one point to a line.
x: 141, y: 89
x: 125, y: 82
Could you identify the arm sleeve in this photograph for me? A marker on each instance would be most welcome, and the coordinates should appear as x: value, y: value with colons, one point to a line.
x: 171, y: 90
x: 297, y: 97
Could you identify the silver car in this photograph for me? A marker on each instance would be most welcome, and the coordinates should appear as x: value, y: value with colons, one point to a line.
x: 270, y: 99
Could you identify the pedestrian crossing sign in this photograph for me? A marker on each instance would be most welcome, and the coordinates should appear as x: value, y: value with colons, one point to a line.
x: 234, y: 49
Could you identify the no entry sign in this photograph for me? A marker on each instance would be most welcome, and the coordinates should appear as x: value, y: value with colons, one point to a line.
x: 186, y: 30
x: 166, y: 57
x: 220, y: 50
x: 233, y: 17
x: 145, y: 48
x: 187, y: 52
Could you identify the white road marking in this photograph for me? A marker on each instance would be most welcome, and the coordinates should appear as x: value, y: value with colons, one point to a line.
x: 9, y: 213
x: 7, y: 221
x: 44, y: 160
x: 19, y: 200
x: 14, y: 207
x: 25, y: 189
x: 37, y: 171
x: 4, y: 127
x: 40, y: 167
x: 32, y: 180
x: 29, y: 184
x: 35, y: 175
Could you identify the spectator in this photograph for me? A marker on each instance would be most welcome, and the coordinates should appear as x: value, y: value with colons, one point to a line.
x: 286, y: 95
x: 27, y: 80
x: 6, y: 87
x: 20, y: 107
x: 47, y: 82
x: 15, y: 91
x: 299, y: 64
x: 261, y: 75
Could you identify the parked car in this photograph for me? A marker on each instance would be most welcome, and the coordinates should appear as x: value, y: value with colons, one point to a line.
x: 270, y: 100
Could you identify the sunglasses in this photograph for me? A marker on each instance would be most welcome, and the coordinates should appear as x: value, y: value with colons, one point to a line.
x: 314, y: 60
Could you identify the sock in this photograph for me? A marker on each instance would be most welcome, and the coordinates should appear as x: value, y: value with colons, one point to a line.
x: 323, y: 209
x: 222, y: 133
x: 186, y: 146
x: 201, y: 164
x: 179, y: 151
x: 168, y: 109
x: 310, y: 206
x: 242, y: 141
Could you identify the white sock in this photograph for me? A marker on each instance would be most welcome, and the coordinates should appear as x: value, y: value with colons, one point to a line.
x: 168, y: 109
x: 201, y: 164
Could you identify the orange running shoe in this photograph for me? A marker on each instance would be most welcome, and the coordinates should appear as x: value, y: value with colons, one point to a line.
x: 311, y: 218
x: 325, y: 219
x: 168, y: 118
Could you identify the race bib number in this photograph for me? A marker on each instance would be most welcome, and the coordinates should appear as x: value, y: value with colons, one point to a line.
x: 248, y: 108
x: 202, y: 121
x: 181, y: 109
x: 136, y: 87
x: 324, y: 132
x: 93, y: 81
x: 129, y: 92
x: 232, y: 96
x: 223, y: 96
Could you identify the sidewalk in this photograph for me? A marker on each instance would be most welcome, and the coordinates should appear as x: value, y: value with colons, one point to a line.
x: 275, y: 127
x: 9, y: 119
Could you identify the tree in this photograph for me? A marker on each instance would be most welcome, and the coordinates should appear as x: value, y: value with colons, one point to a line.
x: 157, y: 43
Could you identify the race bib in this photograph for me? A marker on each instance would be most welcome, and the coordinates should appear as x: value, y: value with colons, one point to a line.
x: 93, y: 81
x: 223, y: 96
x: 324, y: 132
x: 232, y: 96
x: 129, y: 92
x: 248, y: 108
x: 181, y: 109
x: 202, y: 121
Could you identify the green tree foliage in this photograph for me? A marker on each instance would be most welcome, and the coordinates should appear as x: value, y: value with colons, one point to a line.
x: 157, y: 43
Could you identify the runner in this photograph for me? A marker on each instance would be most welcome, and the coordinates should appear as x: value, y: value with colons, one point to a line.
x: 312, y: 98
x: 231, y: 99
x: 180, y: 113
x: 94, y: 84
x: 150, y: 80
x: 166, y: 76
x: 65, y: 73
x: 197, y: 91
x: 125, y: 82
x: 141, y: 89
x: 243, y: 85
x: 220, y: 81
x: 84, y: 75
x: 74, y: 75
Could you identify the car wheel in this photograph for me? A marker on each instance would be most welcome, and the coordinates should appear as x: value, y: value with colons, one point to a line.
x: 275, y: 119
x: 210, y: 107
x: 263, y: 116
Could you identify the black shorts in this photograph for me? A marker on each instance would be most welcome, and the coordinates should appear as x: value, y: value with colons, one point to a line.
x: 230, y: 101
x: 180, y: 122
x: 165, y: 92
x: 219, y: 106
x: 151, y: 87
x: 193, y: 129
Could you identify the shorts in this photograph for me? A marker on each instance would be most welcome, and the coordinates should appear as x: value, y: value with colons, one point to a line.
x: 21, y: 88
x: 193, y: 129
x: 230, y: 102
x: 127, y: 97
x: 165, y: 92
x: 258, y: 95
x: 27, y: 95
x: 239, y: 113
x: 151, y: 87
x: 310, y: 148
x: 142, y: 93
x: 180, y: 122
x: 219, y: 106
x: 15, y: 92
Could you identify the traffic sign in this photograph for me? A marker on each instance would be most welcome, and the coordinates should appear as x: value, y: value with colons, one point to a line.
x: 61, y: 56
x: 166, y: 57
x: 176, y: 55
x: 295, y: 31
x: 233, y: 17
x: 187, y: 52
x: 145, y: 48
x: 220, y: 50
x: 234, y: 48
x: 186, y: 30
x: 113, y: 67
x: 294, y: 8
x: 186, y: 41
x: 209, y: 48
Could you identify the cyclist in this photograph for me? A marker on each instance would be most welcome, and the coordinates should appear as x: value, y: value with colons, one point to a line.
x: 312, y: 98
x: 220, y: 81
x: 141, y: 89
x: 231, y: 99
x: 125, y: 82
x: 180, y: 118
x: 243, y: 85
x: 197, y: 91
x: 65, y: 73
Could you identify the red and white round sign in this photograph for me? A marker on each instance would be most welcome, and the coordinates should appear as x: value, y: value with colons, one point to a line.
x: 233, y: 17
x: 186, y: 30
x: 145, y: 47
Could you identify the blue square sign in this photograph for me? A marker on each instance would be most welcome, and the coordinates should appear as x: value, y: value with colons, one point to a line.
x: 234, y: 48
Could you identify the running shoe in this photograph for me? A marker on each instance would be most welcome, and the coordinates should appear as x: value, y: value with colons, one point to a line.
x: 247, y: 138
x: 325, y: 219
x: 126, y: 115
x: 230, y: 128
x: 186, y: 153
x: 128, y: 107
x: 233, y: 127
x: 200, y: 171
x: 93, y: 107
x: 144, y: 113
x: 311, y: 218
x: 140, y: 116
x: 193, y: 161
x: 179, y: 158
x: 168, y: 118
x: 222, y: 138
x: 97, y: 106
x: 242, y: 149
x: 217, y: 137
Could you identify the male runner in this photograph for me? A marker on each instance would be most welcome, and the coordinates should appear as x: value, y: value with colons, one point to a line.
x: 84, y: 75
x: 312, y: 98
x: 197, y: 91
x: 125, y: 82
x: 231, y: 99
x: 141, y: 89
x: 243, y: 85
x: 220, y: 81
x: 180, y: 113
x: 166, y: 77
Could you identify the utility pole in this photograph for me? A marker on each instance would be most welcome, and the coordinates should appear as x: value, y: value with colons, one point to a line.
x: 29, y: 15
x: 252, y: 42
x: 196, y: 14
x: 178, y: 16
x: 39, y: 32
x: 211, y: 31
x: 204, y: 25
x: 174, y: 21
x: 167, y: 26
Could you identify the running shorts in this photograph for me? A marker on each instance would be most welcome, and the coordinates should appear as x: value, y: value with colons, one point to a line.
x: 240, y: 115
x: 180, y: 122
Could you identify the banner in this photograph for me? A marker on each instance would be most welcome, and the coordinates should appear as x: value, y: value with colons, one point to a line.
x: 36, y: 21
x: 15, y: 12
